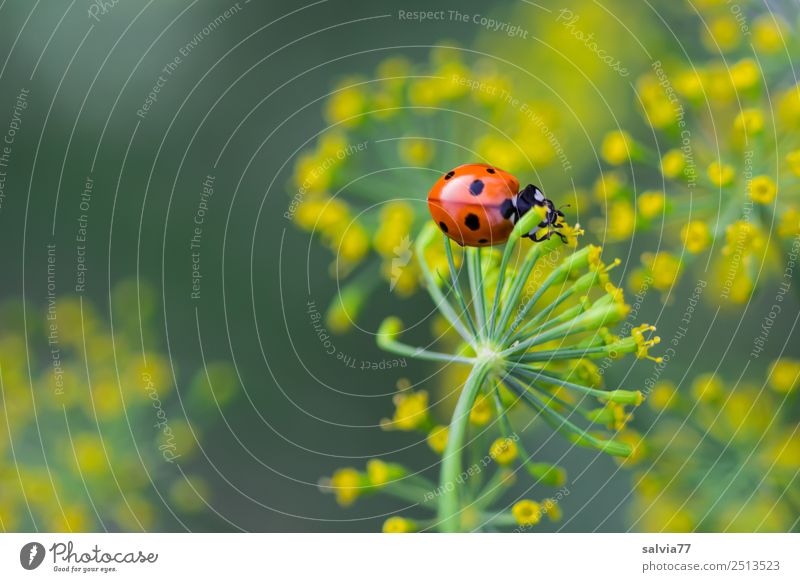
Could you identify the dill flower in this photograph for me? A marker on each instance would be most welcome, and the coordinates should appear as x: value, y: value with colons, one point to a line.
x: 707, y: 387
x: 411, y: 411
x: 721, y: 174
x: 713, y: 178
x: 784, y: 375
x: 722, y: 34
x: 793, y: 159
x: 696, y: 236
x: 103, y: 376
x: 770, y: 34
x: 673, y: 164
x: 726, y: 463
x: 534, y: 344
x: 527, y: 512
x: 411, y: 121
x: 651, y: 204
x: 399, y: 525
x: 618, y: 147
x: 662, y: 396
x: 749, y: 122
x: 347, y: 484
x: 763, y: 190
x: 437, y: 439
x: 503, y: 451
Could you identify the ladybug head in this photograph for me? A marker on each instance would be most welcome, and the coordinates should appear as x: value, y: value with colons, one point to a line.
x: 531, y: 196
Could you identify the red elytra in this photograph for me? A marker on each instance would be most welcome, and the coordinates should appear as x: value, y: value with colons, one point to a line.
x: 472, y: 204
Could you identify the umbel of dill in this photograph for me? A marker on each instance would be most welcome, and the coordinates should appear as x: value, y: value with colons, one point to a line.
x: 524, y: 336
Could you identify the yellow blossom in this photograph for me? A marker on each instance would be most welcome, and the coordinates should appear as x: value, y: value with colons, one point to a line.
x: 500, y: 151
x: 346, y: 104
x: 793, y: 159
x: 673, y: 164
x: 762, y: 189
x: 481, y: 411
x: 664, y: 267
x: 552, y: 509
x: 411, y: 410
x: 744, y: 237
x: 437, y: 439
x: 399, y: 525
x: 527, y: 512
x: 393, y: 70
x: 784, y: 375
x: 617, y: 147
x: 707, y: 387
x: 608, y: 185
x: 789, y: 225
x: 723, y: 34
x: 621, y: 220
x: 503, y: 451
x: 789, y: 106
x: 636, y: 443
x: 721, y: 174
x: 662, y: 396
x: 90, y: 454
x: 770, y: 34
x: 643, y: 344
x: 347, y: 484
x: 353, y: 243
x: 749, y: 122
x: 416, y: 152
x: 745, y: 74
x: 690, y: 84
x: 651, y: 203
x: 696, y: 236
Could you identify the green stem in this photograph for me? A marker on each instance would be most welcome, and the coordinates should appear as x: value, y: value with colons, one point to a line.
x: 476, y: 289
x: 457, y: 287
x: 499, y: 288
x: 402, y: 349
x: 408, y: 492
x: 436, y: 294
x: 517, y: 286
x: 449, y: 499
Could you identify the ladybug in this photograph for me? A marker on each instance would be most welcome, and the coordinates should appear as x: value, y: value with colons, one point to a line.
x: 477, y: 205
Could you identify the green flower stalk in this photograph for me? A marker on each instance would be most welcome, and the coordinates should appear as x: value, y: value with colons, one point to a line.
x: 530, y: 317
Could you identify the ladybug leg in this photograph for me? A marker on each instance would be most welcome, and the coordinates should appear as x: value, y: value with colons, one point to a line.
x: 534, y: 238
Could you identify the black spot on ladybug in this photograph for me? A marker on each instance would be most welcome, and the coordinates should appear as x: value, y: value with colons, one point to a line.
x: 476, y: 187
x: 483, y: 240
x: 449, y: 174
x: 443, y: 226
x: 472, y: 222
x: 490, y: 170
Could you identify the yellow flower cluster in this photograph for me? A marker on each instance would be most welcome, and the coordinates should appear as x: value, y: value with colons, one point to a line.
x: 88, y: 426
x: 361, y: 192
x: 724, y: 455
x: 743, y: 171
